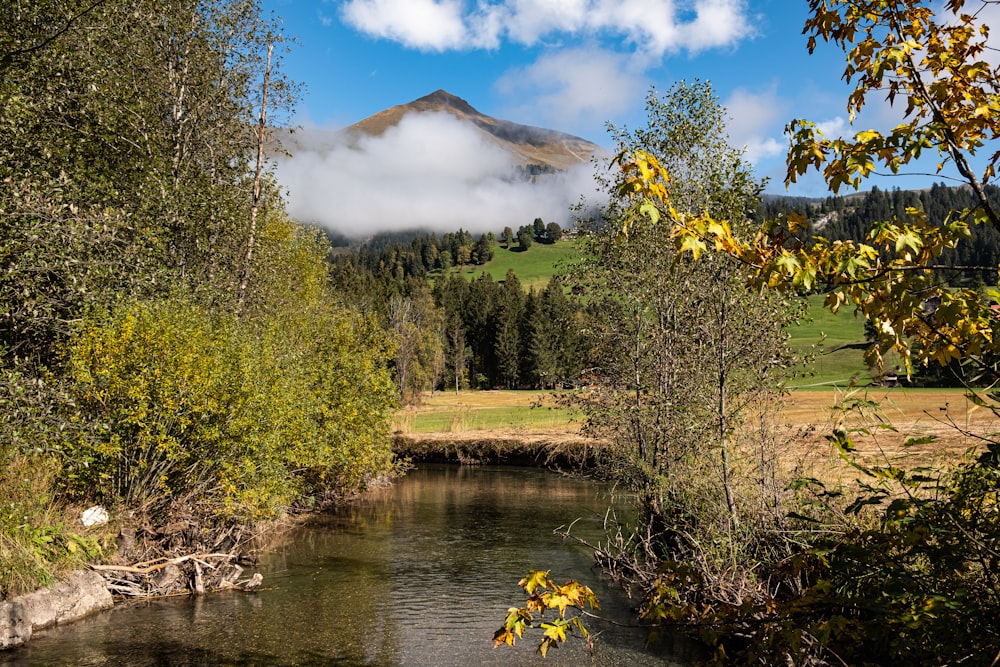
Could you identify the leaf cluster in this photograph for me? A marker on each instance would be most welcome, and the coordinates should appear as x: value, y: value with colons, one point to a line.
x: 904, y: 572
x: 546, y: 595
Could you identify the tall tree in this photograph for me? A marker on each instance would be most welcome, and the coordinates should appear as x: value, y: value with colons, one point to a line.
x: 554, y: 343
x: 929, y: 537
x: 508, y: 317
x: 684, y: 348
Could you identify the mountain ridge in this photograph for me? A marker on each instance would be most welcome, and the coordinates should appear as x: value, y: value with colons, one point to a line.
x: 535, y: 150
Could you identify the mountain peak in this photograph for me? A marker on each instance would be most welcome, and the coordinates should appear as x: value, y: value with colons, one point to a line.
x: 442, y: 98
x: 535, y: 149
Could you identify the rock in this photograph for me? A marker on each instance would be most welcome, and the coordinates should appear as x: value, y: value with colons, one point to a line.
x: 253, y: 583
x: 84, y: 592
x: 168, y: 580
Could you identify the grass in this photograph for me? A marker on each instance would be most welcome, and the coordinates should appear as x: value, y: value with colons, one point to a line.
x: 470, y: 411
x: 40, y: 539
x: 833, y: 345
x: 534, y: 267
x: 806, y: 418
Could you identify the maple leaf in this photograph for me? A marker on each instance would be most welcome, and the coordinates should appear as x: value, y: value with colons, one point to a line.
x: 535, y: 579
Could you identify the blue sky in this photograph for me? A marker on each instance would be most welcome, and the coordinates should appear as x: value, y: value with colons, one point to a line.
x: 569, y: 65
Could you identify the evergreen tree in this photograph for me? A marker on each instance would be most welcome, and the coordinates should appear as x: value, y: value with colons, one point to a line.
x: 524, y: 237
x: 538, y: 229
x: 507, y: 318
x: 553, y: 232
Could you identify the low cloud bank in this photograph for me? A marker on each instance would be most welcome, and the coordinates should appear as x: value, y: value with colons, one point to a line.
x: 431, y: 171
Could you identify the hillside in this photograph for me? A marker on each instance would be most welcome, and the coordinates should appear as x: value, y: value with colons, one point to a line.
x: 534, y: 267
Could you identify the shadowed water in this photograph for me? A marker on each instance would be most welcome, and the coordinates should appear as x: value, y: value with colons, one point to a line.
x: 420, y: 573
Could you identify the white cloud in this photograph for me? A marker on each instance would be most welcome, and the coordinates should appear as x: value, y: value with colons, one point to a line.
x: 756, y: 121
x: 833, y: 128
x: 574, y: 87
x: 430, y: 171
x: 423, y: 24
x: 654, y: 27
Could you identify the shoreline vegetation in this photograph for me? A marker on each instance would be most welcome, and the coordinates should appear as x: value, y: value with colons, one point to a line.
x: 529, y: 428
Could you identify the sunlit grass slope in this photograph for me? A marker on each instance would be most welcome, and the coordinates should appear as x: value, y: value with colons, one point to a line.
x: 534, y: 267
x: 833, y: 344
x: 448, y: 412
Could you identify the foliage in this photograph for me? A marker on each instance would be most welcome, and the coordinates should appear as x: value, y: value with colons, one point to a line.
x: 973, y: 260
x: 889, y: 278
x: 524, y: 238
x: 185, y: 405
x: 684, y: 360
x: 919, y: 585
x: 546, y: 595
x: 36, y: 542
x: 129, y: 210
x: 418, y: 328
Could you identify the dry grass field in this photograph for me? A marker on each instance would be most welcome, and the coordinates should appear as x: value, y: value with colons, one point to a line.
x: 881, y: 434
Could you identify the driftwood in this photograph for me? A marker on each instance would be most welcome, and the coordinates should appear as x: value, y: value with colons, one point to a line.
x: 163, y: 576
x: 150, y: 566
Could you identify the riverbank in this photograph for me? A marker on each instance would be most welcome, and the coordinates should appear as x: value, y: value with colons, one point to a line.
x: 497, y: 447
x: 421, y: 572
x: 82, y: 593
x: 921, y: 426
x: 168, y: 561
x: 520, y: 428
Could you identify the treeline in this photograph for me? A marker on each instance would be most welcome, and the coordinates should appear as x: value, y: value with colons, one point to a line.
x: 170, y: 347
x: 459, y: 334
x: 496, y: 335
x: 407, y: 255
x: 851, y: 217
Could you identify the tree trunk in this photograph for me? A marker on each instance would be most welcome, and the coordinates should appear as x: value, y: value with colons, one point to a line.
x: 255, y: 207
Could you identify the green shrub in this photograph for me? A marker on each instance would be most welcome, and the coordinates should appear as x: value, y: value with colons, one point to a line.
x: 233, y: 416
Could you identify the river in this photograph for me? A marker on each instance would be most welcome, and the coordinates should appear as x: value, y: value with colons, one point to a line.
x: 419, y: 573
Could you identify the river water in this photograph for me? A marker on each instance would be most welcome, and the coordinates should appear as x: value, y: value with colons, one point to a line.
x: 419, y: 573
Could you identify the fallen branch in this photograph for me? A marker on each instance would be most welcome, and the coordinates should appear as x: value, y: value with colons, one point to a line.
x: 146, y: 568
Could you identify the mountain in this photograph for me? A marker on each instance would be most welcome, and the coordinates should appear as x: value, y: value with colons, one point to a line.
x: 536, y: 150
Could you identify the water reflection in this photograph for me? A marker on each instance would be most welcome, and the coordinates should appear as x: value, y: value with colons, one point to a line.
x: 421, y: 573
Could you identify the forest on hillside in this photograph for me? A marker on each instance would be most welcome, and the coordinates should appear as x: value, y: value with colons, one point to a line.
x: 839, y: 218
x: 457, y: 333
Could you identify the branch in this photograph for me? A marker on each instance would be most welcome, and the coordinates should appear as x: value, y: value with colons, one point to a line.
x: 144, y: 568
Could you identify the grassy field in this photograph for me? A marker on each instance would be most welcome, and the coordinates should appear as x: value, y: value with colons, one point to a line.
x: 807, y: 416
x: 533, y: 267
x: 472, y: 411
x: 833, y: 346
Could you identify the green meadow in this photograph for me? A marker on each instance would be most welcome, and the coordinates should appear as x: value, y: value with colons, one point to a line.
x: 831, y: 347
x: 534, y: 267
x: 510, y: 411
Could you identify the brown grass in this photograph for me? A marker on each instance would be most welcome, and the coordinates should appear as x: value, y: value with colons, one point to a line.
x: 808, y: 416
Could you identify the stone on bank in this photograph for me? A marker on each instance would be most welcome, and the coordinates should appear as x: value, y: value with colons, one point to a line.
x: 84, y: 592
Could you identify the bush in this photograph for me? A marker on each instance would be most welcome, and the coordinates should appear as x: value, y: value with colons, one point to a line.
x: 184, y: 406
